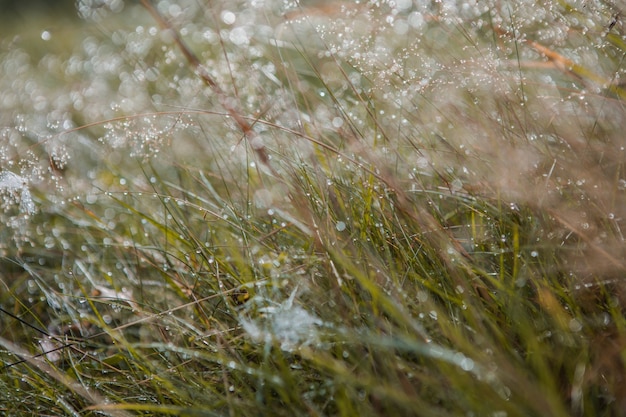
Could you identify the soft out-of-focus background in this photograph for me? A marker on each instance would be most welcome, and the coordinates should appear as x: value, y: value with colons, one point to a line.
x: 23, y: 18
x: 22, y: 8
x: 15, y: 15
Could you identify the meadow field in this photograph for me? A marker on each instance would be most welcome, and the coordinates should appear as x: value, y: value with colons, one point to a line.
x: 309, y: 208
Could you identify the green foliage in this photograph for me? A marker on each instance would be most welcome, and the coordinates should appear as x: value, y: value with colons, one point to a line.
x: 266, y: 208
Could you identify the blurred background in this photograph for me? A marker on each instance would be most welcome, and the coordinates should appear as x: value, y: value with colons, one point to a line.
x: 23, y: 8
x: 24, y: 18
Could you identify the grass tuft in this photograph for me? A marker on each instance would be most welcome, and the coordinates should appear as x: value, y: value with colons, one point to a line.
x: 373, y: 209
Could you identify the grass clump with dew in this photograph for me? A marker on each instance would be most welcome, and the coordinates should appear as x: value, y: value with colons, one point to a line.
x: 274, y: 208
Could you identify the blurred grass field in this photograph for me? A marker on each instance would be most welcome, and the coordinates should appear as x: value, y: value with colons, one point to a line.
x: 333, y: 209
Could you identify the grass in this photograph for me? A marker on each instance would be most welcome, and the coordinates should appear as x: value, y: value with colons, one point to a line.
x: 328, y: 209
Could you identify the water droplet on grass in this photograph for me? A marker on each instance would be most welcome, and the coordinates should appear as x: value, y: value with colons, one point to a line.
x: 575, y: 326
x: 239, y: 36
x: 228, y: 17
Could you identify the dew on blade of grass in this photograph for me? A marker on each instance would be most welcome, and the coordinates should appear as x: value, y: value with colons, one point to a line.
x: 575, y: 325
x: 228, y: 17
x: 239, y: 36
